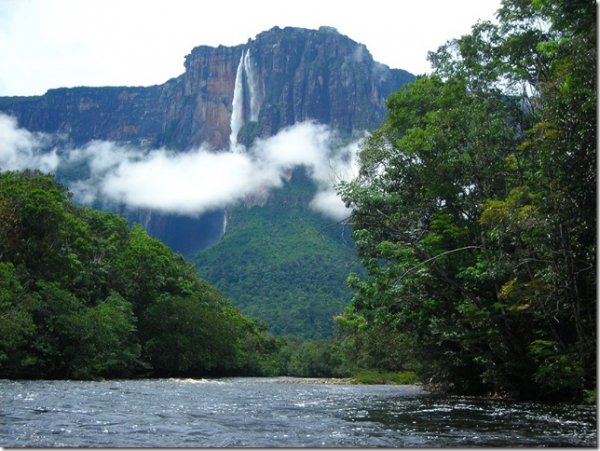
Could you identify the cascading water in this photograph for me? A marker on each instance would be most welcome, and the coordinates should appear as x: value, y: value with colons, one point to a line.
x: 237, y: 111
x: 245, y: 78
x: 224, y: 223
x: 252, y: 88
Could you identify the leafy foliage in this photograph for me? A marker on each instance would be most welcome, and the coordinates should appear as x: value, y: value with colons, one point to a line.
x: 475, y: 212
x: 82, y: 295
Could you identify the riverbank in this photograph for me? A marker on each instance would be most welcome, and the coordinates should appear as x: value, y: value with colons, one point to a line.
x: 331, y: 381
x: 363, y: 377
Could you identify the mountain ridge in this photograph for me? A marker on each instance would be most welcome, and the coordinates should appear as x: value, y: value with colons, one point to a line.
x: 194, y: 107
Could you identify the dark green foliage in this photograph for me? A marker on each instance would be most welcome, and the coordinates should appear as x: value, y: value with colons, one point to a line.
x: 476, y: 215
x: 84, y: 296
x: 283, y: 262
x: 313, y: 358
x: 16, y: 323
x: 187, y: 336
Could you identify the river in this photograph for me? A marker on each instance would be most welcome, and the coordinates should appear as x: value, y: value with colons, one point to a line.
x: 272, y: 412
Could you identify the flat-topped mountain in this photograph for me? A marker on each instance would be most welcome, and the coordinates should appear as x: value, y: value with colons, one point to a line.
x: 293, y: 74
x: 279, y: 259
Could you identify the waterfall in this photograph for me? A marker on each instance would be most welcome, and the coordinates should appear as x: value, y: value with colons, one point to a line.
x: 245, y: 81
x: 237, y: 112
x: 224, y: 224
x: 252, y: 88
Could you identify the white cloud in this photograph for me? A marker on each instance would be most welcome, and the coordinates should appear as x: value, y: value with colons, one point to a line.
x: 189, y: 183
x: 192, y: 182
x: 329, y: 203
x: 200, y: 180
x: 22, y: 149
x: 103, y: 156
x: 342, y: 166
x: 305, y: 144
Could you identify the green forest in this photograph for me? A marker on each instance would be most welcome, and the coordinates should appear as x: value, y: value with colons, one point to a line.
x: 474, y: 217
x: 284, y: 263
x: 475, y: 213
x: 84, y: 295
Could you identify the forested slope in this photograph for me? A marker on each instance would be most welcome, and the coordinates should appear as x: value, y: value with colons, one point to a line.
x: 82, y: 295
x: 284, y: 263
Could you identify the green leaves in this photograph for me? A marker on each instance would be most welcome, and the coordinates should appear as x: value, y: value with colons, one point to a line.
x: 474, y: 210
x: 187, y: 338
x: 556, y: 371
x: 108, y: 345
x: 16, y: 323
x: 284, y: 263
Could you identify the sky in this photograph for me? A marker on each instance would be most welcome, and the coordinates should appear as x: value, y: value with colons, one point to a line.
x: 48, y: 44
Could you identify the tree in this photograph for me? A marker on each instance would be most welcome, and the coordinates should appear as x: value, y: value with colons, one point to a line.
x: 188, y: 337
x: 107, y: 344
x: 16, y: 323
x: 470, y: 215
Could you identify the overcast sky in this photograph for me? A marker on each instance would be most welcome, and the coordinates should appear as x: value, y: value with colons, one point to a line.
x: 63, y: 43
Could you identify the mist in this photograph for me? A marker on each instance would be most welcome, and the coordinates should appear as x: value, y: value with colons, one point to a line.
x: 193, y: 182
x: 21, y: 149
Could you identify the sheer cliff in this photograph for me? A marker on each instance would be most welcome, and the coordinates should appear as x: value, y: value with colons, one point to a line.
x: 298, y: 74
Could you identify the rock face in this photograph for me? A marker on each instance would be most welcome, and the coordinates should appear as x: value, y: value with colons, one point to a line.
x: 294, y: 75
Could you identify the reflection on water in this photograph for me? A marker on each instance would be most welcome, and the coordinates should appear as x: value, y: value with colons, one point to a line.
x: 255, y: 412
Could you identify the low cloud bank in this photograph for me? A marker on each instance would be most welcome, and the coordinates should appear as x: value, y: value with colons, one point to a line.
x: 21, y: 149
x: 190, y: 182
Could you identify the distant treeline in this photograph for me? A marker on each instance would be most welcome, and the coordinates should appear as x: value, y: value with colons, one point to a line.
x: 85, y: 296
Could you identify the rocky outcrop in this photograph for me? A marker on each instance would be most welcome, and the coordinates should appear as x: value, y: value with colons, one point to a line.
x: 298, y: 74
x: 320, y: 75
x: 129, y: 114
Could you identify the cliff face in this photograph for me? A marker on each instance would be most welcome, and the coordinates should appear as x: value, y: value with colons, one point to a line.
x: 320, y: 75
x: 289, y: 75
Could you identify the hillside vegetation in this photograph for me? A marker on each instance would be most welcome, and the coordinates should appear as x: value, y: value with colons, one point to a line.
x: 475, y: 213
x: 83, y: 295
x: 284, y: 263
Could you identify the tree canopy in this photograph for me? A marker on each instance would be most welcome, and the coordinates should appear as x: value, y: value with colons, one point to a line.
x: 83, y: 295
x: 475, y: 212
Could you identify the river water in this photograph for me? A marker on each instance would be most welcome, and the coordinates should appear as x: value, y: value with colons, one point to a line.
x: 272, y: 412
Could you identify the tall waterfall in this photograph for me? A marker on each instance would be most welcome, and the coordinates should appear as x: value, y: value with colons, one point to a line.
x: 237, y: 111
x: 244, y: 105
x: 252, y: 88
